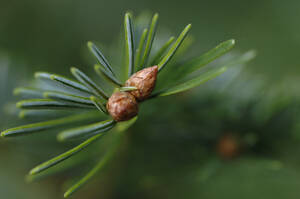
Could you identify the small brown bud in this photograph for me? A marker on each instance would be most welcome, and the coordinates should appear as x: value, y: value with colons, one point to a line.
x: 122, y: 106
x: 144, y: 80
x: 228, y: 146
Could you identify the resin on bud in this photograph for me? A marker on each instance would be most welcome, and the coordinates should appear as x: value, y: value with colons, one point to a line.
x: 122, y: 106
x: 144, y: 80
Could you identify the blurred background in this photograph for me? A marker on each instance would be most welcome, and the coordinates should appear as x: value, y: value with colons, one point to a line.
x: 239, y: 140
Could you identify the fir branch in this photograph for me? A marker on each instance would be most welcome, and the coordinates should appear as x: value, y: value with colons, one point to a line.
x: 45, y: 114
x: 161, y: 51
x: 130, y: 48
x: 100, y: 57
x: 49, y: 104
x: 149, y: 41
x: 68, y: 98
x: 246, y: 57
x: 41, y: 126
x: 84, y: 79
x: 104, y: 160
x: 96, y: 128
x: 125, y: 100
x: 110, y: 78
x: 194, y: 82
x: 64, y: 156
x: 140, y: 48
x: 63, y: 81
x: 213, y: 54
x: 99, y: 104
x: 27, y: 92
x: 174, y: 47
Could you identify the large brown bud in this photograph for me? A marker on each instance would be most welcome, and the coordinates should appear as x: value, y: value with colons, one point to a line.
x: 122, y: 106
x: 144, y: 80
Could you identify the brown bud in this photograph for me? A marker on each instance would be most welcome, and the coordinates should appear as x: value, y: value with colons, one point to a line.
x: 122, y: 106
x: 144, y: 80
x: 228, y: 146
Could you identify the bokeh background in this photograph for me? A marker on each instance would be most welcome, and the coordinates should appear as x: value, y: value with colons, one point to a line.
x: 176, y: 150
